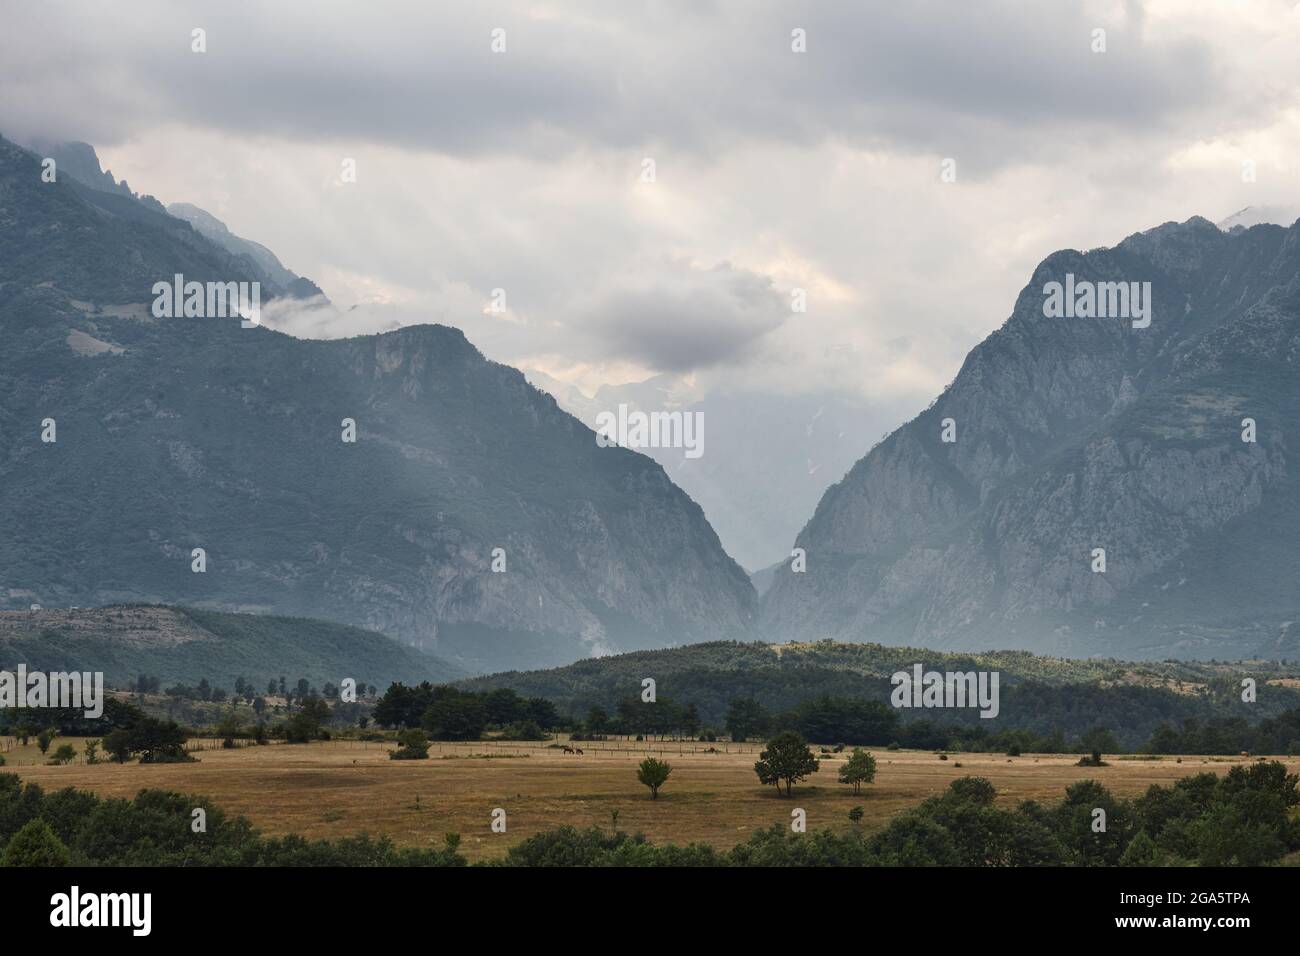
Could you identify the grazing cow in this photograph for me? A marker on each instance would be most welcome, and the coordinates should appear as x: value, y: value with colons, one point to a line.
x: 579, y: 750
x: 568, y: 750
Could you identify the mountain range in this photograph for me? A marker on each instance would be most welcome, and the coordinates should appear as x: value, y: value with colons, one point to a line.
x: 193, y: 433
x: 1085, y: 486
x: 757, y: 485
x: 1169, y: 447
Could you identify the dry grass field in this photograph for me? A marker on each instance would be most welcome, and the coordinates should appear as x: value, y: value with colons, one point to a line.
x: 339, y: 788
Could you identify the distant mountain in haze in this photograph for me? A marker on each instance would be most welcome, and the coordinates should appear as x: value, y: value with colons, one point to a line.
x: 767, y: 458
x: 176, y: 434
x: 80, y: 161
x: 1260, y: 215
x: 1077, y: 434
x: 212, y: 227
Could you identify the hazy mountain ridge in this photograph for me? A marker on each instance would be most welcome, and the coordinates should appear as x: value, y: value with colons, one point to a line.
x: 65, y: 242
x: 186, y: 645
x: 216, y: 230
x: 766, y: 460
x: 186, y: 433
x: 1074, y: 434
x: 81, y: 162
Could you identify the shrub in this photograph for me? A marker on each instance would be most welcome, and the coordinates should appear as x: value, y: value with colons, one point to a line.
x: 414, y: 746
x: 36, y: 845
x: 524, y: 730
x: 653, y: 773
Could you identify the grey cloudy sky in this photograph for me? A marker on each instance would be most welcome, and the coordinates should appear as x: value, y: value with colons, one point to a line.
x: 774, y: 170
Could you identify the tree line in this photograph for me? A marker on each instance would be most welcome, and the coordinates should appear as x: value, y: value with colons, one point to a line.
x: 245, y: 689
x: 831, y: 720
x: 447, y: 713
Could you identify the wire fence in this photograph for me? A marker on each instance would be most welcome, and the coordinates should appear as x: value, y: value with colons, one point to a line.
x: 559, y: 746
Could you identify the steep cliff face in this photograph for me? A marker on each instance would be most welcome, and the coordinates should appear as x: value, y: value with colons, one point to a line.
x: 176, y: 434
x: 1074, y: 434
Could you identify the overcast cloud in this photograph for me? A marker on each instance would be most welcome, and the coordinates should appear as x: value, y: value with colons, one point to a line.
x: 774, y: 170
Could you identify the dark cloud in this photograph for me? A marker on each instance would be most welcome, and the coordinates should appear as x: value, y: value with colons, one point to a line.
x: 987, y: 81
x: 678, y: 318
x: 518, y: 171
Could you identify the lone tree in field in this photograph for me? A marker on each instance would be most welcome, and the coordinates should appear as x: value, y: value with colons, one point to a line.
x: 787, y: 758
x: 860, y: 768
x: 653, y: 773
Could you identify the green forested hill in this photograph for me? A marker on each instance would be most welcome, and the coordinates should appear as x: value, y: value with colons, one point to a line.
x: 1041, y: 695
